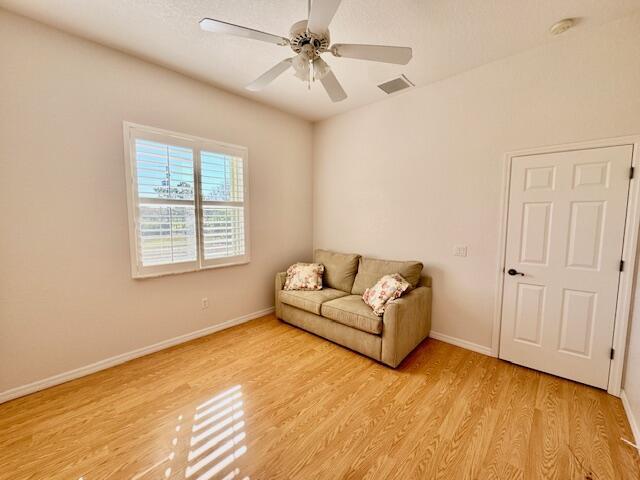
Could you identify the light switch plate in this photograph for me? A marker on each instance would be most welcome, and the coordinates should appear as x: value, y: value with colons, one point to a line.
x: 460, y: 251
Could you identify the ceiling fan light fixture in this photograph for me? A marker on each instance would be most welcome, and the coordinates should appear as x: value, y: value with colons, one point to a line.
x: 320, y: 69
x: 302, y: 75
x: 562, y: 26
x: 301, y: 66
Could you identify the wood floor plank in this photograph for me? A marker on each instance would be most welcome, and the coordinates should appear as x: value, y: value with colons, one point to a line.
x: 265, y: 400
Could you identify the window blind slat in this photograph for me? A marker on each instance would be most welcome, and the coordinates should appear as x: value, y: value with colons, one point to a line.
x: 166, y: 233
x: 223, y: 231
x: 221, y: 177
x: 222, y: 181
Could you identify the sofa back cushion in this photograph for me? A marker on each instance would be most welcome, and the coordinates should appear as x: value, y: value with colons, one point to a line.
x: 339, y: 268
x: 370, y: 270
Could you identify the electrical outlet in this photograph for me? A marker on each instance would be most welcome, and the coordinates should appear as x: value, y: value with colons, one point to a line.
x: 205, y: 303
x: 460, y: 251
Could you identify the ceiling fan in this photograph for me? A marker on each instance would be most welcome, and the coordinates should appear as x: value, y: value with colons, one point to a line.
x: 309, y: 39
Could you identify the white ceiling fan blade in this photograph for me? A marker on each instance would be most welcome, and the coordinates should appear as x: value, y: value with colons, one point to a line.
x: 322, y: 12
x: 269, y: 76
x: 374, y: 53
x: 218, y: 26
x: 332, y: 86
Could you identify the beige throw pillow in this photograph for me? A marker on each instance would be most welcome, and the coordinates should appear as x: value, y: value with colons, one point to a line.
x: 304, y: 276
x: 386, y: 289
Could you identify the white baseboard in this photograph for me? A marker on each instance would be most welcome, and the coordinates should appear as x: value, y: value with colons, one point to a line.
x: 635, y: 427
x: 458, y: 342
x: 125, y: 357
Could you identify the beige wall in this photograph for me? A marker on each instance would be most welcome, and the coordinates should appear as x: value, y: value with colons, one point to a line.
x: 66, y: 296
x: 416, y: 174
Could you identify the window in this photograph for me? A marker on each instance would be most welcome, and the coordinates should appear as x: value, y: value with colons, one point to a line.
x: 187, y: 200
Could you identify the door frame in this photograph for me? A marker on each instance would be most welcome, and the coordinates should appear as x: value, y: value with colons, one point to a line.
x: 629, y: 248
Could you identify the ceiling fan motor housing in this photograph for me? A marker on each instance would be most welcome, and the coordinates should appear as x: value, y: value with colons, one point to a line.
x: 299, y: 37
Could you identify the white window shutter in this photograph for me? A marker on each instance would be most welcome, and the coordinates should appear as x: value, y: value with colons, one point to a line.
x: 187, y: 202
x: 166, y: 203
x: 223, y: 204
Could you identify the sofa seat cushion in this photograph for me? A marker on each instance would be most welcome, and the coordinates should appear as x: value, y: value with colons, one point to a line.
x: 353, y: 312
x: 310, y: 301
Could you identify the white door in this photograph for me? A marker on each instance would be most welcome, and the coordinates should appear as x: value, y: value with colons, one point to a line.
x: 565, y: 230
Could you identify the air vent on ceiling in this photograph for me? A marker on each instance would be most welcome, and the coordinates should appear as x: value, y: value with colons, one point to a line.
x: 395, y: 85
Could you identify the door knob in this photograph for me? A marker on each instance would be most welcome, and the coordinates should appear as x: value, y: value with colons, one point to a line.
x: 513, y: 272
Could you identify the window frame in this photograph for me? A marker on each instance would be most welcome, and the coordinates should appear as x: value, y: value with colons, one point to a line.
x: 133, y: 131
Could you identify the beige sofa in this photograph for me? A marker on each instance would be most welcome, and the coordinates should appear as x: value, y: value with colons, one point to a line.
x: 338, y: 313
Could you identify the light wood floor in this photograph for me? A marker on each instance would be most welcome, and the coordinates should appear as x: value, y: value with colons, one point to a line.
x: 268, y: 401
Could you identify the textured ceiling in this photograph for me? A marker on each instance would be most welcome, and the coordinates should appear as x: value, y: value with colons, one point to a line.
x: 447, y: 37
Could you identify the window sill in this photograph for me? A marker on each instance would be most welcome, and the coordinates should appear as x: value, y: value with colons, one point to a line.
x: 143, y: 276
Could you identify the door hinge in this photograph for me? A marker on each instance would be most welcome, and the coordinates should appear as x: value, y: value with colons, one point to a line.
x: 622, y: 265
x: 631, y: 171
x: 612, y: 353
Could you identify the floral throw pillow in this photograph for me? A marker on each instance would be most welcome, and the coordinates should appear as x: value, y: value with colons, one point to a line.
x: 386, y: 289
x: 304, y: 276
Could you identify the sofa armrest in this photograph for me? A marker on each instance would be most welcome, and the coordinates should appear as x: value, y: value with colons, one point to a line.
x: 280, y: 279
x: 406, y: 322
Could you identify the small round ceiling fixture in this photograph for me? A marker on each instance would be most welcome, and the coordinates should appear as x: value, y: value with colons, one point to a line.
x: 562, y: 26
